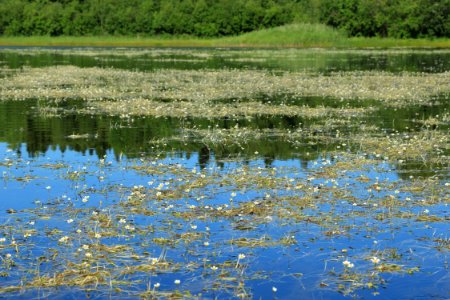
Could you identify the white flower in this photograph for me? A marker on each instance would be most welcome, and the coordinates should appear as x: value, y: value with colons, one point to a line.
x: 375, y: 260
x: 274, y: 289
x: 85, y: 247
x: 64, y: 239
x: 129, y: 227
x: 206, y: 244
x: 233, y: 194
x: 2, y: 240
x: 177, y: 281
x: 69, y: 221
x: 8, y: 255
x: 153, y: 260
x: 194, y: 227
x: 85, y: 199
x: 348, y: 264
x: 122, y: 221
x: 97, y: 235
x: 157, y: 285
x: 48, y: 187
x: 214, y: 268
x: 241, y: 256
x: 88, y: 254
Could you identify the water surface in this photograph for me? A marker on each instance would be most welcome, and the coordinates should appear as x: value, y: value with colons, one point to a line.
x: 268, y: 206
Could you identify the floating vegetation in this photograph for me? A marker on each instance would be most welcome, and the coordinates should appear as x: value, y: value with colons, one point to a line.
x: 227, y: 183
x: 185, y: 88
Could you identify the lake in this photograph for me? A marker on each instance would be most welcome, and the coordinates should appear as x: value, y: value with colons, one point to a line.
x: 224, y: 173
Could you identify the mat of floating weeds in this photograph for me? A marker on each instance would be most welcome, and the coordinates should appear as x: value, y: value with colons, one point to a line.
x: 139, y: 90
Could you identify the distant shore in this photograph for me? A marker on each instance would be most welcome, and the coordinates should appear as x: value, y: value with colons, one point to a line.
x: 289, y: 36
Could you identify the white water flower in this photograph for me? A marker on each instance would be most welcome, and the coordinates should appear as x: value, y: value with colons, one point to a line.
x: 348, y: 264
x: 177, y: 281
x: 64, y: 239
x: 274, y: 289
x: 375, y: 260
x: 129, y: 227
x: 153, y: 260
x: 69, y: 221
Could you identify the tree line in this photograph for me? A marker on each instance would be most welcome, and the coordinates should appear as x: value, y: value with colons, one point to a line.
x: 211, y: 18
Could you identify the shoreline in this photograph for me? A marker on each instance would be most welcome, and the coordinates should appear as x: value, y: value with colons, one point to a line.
x: 228, y: 42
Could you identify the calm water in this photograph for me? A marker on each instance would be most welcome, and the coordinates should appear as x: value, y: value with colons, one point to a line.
x: 265, y: 218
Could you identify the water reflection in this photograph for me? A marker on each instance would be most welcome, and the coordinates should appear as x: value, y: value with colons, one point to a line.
x: 189, y: 59
x: 98, y: 134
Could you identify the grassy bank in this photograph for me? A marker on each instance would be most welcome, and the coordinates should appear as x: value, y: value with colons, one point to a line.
x: 295, y: 35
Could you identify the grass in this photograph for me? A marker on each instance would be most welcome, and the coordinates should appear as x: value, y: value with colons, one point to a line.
x: 293, y: 35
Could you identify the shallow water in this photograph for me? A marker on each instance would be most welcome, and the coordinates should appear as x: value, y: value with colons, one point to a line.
x: 262, y: 206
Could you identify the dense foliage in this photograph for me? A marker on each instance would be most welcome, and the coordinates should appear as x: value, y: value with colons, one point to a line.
x: 393, y: 18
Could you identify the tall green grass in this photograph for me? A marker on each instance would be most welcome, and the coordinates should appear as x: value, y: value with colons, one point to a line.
x: 293, y: 35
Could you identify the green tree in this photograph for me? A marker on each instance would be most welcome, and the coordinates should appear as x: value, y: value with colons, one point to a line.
x: 144, y: 17
x: 11, y: 17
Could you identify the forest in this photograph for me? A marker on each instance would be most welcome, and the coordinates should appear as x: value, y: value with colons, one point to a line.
x: 215, y: 18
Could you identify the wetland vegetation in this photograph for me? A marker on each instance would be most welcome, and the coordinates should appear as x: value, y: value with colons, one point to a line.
x: 287, y: 36
x: 181, y: 173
